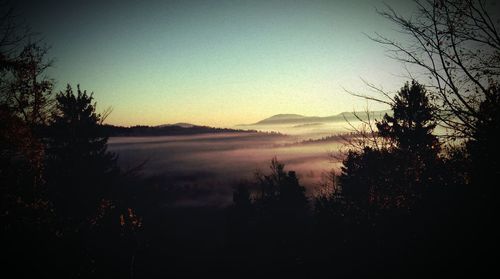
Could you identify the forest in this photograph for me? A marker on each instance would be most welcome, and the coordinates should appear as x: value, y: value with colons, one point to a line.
x: 406, y: 201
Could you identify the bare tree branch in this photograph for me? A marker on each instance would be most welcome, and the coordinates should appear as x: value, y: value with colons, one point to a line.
x: 456, y: 42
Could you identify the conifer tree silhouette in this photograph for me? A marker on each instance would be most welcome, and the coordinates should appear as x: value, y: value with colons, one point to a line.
x: 80, y: 167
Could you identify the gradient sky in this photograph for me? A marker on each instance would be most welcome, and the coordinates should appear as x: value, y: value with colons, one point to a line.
x: 216, y: 63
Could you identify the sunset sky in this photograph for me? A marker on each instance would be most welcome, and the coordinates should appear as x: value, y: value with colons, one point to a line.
x: 217, y: 63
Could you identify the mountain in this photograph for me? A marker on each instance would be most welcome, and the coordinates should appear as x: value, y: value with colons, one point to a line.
x: 296, y: 119
x: 286, y: 116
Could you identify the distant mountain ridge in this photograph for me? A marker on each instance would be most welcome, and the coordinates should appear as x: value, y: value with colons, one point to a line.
x: 180, y: 124
x: 165, y: 130
x: 181, y: 128
x: 286, y: 116
x: 297, y: 119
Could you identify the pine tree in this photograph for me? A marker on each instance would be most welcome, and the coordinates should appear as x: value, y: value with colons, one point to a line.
x: 412, y: 123
x: 81, y: 168
x: 396, y: 175
x: 483, y: 148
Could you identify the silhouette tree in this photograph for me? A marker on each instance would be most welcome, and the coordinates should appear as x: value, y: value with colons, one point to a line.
x: 13, y: 35
x: 483, y: 148
x: 280, y: 187
x: 273, y: 226
x: 367, y: 178
x: 395, y: 175
x: 29, y: 91
x: 413, y: 121
x: 25, y: 101
x: 80, y: 167
x: 97, y: 222
x: 27, y: 220
x: 482, y: 196
x: 241, y: 225
x: 58, y: 183
x: 408, y: 194
x: 457, y: 45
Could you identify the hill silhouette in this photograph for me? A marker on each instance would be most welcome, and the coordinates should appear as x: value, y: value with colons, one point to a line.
x: 166, y: 130
x: 180, y: 124
x: 297, y: 119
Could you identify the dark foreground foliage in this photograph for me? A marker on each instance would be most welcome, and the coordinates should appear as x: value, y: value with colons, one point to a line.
x: 400, y: 206
x: 404, y: 205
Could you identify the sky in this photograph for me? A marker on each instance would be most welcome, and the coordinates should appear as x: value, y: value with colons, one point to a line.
x: 217, y: 63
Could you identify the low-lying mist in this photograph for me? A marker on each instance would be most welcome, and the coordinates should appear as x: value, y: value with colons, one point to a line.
x: 205, y: 168
x: 313, y: 130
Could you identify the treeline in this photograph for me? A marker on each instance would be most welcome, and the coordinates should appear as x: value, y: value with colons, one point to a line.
x: 166, y: 130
